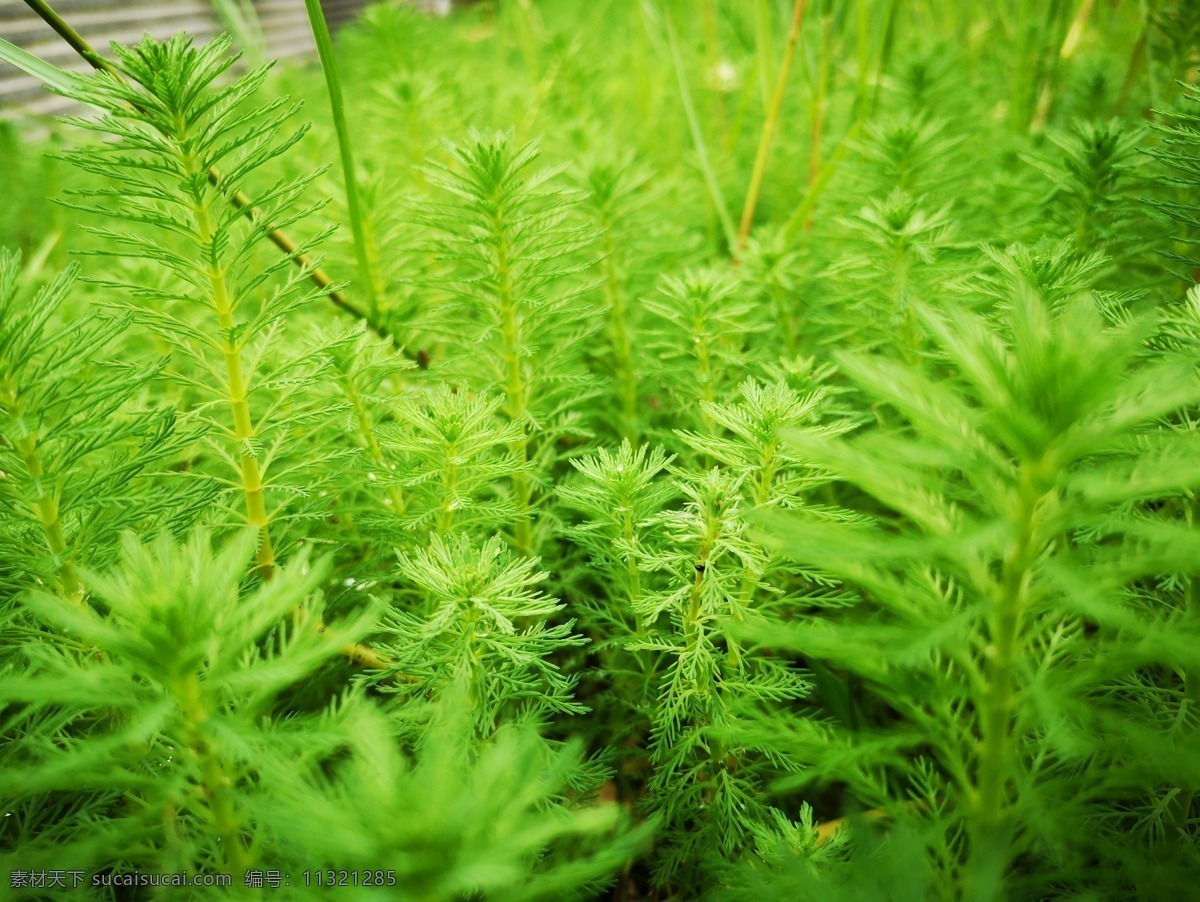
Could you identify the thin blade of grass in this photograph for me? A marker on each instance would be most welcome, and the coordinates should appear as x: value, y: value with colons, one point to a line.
x: 771, y: 125
x: 238, y: 199
x: 710, y: 178
x: 31, y: 65
x: 320, y: 28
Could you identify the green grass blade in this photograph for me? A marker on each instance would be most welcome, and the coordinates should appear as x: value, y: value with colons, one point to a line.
x: 49, y: 75
x: 710, y: 178
x: 337, y: 106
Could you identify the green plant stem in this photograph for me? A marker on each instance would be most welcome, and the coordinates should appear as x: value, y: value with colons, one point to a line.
x: 224, y: 304
x: 990, y: 819
x: 689, y: 109
x: 802, y: 216
x: 70, y: 35
x: 543, y: 92
x: 909, y: 332
x: 214, y: 782
x: 713, y: 40
x: 771, y: 125
x: 48, y: 516
x: 337, y: 106
x: 1075, y: 32
x: 707, y: 377
x: 514, y: 392
x: 863, y: 17
x: 46, y: 507
x: 237, y: 199
x: 739, y: 117
x: 366, y: 429
x: 1137, y: 59
x: 449, y: 487
x: 1025, y: 69
x: 691, y: 620
x: 865, y: 99
x: 817, y: 111
x: 622, y: 339
x: 629, y: 535
x: 762, y: 494
x: 646, y: 91
x: 764, y: 13
x: 526, y: 33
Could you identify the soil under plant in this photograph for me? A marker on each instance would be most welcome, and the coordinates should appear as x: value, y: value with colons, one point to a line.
x: 633, y: 450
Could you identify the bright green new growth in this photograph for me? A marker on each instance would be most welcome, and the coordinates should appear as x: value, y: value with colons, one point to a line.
x: 706, y: 789
x: 1008, y: 580
x: 615, y: 202
x: 485, y: 630
x: 861, y: 566
x: 453, y: 449
x: 506, y: 235
x: 621, y: 496
x: 703, y: 336
x: 180, y: 685
x: 174, y: 125
x: 76, y: 461
x: 185, y: 690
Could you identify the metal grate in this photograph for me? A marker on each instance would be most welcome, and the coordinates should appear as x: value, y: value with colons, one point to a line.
x: 284, y: 24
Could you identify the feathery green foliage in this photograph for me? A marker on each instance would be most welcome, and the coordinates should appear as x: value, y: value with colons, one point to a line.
x: 486, y: 630
x: 1005, y: 595
x: 506, y: 235
x: 861, y: 565
x: 78, y: 460
x: 173, y: 126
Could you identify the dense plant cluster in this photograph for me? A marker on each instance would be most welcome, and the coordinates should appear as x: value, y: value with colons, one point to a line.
x: 588, y: 545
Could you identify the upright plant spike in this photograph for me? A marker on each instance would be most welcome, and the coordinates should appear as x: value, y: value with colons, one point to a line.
x: 452, y: 449
x: 750, y: 440
x: 320, y: 29
x: 702, y: 340
x: 1000, y: 571
x: 770, y: 125
x: 185, y: 735
x: 1055, y: 271
x: 516, y: 265
x: 774, y: 272
x: 706, y: 787
x: 1094, y: 197
x: 623, y: 498
x: 615, y: 198
x: 362, y: 370
x: 75, y: 457
x: 896, y: 247
x: 622, y: 495
x: 485, y: 628
x: 365, y: 500
x: 916, y: 154
x: 238, y: 199
x: 174, y: 125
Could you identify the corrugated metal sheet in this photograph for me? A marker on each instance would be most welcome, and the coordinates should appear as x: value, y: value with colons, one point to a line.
x: 284, y: 24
